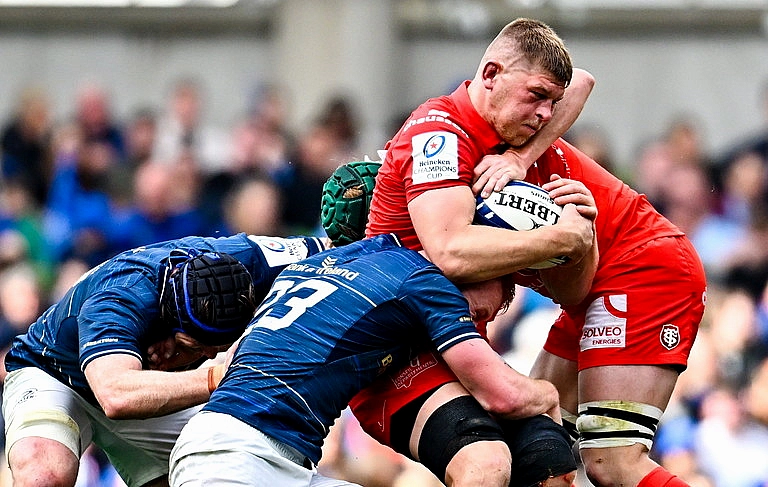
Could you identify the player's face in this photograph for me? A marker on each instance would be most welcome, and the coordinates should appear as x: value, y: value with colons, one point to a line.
x: 179, y: 351
x: 485, y: 299
x: 522, y: 102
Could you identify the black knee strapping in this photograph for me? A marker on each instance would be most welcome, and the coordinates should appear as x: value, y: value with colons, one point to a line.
x: 451, y: 427
x: 402, y: 422
x: 540, y: 449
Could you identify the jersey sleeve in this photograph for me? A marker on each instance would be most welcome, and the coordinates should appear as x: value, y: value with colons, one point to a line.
x: 270, y: 255
x: 434, y: 155
x: 441, y: 308
x: 116, y: 320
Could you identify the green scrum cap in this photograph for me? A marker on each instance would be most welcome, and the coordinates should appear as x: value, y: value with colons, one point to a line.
x: 346, y: 200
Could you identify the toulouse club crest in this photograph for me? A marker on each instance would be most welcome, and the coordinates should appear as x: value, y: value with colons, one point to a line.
x: 670, y: 336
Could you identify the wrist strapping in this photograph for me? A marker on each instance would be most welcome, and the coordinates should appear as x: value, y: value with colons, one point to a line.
x: 211, y: 383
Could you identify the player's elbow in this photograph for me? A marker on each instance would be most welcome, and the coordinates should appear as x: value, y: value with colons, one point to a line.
x: 583, y: 78
x: 457, y: 270
x: 116, y: 405
x: 508, y: 405
x: 455, y: 267
x: 114, y: 409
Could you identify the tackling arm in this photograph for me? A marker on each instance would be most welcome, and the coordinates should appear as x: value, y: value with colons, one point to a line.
x: 125, y: 391
x: 500, y: 389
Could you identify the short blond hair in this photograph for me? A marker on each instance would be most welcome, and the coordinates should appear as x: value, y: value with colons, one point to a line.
x: 538, y: 43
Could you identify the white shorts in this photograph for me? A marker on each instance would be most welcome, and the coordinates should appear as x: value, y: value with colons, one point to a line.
x: 218, y: 449
x: 36, y: 404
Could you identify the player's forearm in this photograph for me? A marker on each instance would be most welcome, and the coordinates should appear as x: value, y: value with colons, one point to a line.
x: 531, y: 397
x: 569, y: 285
x: 566, y: 112
x: 480, y: 252
x: 515, y: 396
x: 136, y: 394
x: 465, y: 252
x: 500, y: 389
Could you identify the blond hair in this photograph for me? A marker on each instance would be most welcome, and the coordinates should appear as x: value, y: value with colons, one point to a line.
x: 535, y: 41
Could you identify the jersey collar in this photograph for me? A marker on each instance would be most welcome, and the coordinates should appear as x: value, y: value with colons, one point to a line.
x: 471, y: 121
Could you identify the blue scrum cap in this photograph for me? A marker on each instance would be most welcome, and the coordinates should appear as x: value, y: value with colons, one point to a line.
x: 209, y: 296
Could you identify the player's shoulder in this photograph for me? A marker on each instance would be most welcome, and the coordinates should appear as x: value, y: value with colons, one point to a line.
x: 383, y: 253
x: 441, y: 113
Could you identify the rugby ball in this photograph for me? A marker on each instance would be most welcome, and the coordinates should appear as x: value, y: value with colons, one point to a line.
x: 520, y: 206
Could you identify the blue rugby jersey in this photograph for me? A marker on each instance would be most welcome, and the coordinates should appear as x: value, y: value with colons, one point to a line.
x: 114, y: 307
x: 328, y: 327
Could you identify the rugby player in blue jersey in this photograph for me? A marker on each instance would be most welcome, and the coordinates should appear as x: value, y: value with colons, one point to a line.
x: 116, y: 361
x: 329, y: 326
x: 540, y: 448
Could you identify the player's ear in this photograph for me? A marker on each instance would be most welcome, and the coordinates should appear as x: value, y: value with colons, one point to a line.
x: 490, y: 70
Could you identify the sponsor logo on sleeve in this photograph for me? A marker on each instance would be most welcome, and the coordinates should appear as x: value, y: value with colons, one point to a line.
x: 281, y: 251
x: 435, y: 157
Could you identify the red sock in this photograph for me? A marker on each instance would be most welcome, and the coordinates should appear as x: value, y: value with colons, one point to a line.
x: 659, y: 477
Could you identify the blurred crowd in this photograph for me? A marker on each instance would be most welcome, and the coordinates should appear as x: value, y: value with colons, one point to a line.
x: 76, y: 191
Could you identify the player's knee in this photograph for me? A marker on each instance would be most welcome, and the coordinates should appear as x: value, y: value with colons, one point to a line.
x: 541, y: 451
x: 610, y: 466
x: 598, y: 468
x: 615, y: 436
x: 39, y: 462
x: 483, y: 463
x: 460, y: 433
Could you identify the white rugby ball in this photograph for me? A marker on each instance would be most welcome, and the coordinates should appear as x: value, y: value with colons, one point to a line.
x: 520, y: 206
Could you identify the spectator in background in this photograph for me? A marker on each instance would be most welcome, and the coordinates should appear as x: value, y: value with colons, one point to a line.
x: 690, y: 204
x: 592, y: 140
x: 741, y: 174
x: 756, y: 143
x: 260, y: 147
x: 21, y: 301
x: 21, y: 230
x: 339, y: 114
x: 140, y: 137
x: 756, y: 394
x: 320, y: 151
x: 96, y: 121
x: 680, y: 145
x: 735, y: 341
x: 730, y: 446
x: 253, y: 207
x: 257, y: 148
x: 164, y: 207
x: 26, y: 145
x: 272, y: 139
x: 78, y: 213
x: 747, y: 266
x: 744, y: 187
x: 182, y: 130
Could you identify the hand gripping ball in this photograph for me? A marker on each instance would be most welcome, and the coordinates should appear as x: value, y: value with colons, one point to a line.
x: 520, y: 206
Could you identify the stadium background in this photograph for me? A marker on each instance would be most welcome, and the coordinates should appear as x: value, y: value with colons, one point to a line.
x: 653, y: 59
x: 661, y: 65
